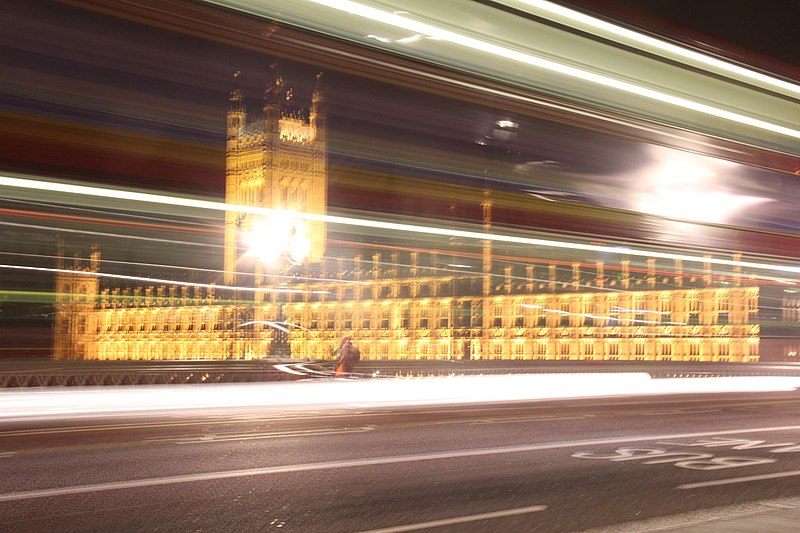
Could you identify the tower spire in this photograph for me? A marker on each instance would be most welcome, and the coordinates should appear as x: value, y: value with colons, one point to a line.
x: 236, y: 97
x: 316, y: 116
x: 274, y: 92
x: 316, y: 97
x: 236, y: 121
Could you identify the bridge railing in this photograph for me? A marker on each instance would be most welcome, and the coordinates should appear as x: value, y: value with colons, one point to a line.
x: 42, y: 373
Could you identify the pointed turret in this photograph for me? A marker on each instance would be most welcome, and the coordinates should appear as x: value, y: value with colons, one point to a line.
x: 275, y: 92
x: 279, y: 164
x: 77, y: 288
x: 486, y: 206
x: 317, y: 116
x: 236, y: 109
x: 317, y: 197
x: 237, y: 119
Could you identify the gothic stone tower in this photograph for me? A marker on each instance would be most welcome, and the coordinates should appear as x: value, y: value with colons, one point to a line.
x: 280, y: 163
x: 76, y: 292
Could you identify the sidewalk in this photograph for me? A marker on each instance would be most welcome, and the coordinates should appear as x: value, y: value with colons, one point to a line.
x: 784, y: 520
x: 779, y: 515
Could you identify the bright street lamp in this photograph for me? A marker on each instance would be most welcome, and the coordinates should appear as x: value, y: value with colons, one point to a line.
x: 280, y: 243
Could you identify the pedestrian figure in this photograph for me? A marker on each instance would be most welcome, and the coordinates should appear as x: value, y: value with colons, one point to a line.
x: 347, y: 356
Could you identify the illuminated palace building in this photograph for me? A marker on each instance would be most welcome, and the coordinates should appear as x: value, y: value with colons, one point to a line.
x: 396, y: 302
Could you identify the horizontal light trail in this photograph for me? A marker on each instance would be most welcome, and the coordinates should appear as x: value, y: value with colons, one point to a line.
x: 571, y: 109
x: 134, y: 224
x: 364, y: 462
x: 606, y: 317
x: 543, y: 8
x: 9, y: 181
x: 435, y: 32
x: 193, y: 269
x: 161, y: 281
x: 333, y: 394
x: 104, y: 234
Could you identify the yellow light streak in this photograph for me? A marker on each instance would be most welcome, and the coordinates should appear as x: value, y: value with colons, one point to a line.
x: 9, y: 181
x: 435, y: 32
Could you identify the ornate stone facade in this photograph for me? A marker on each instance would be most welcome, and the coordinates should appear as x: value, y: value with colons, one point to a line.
x: 402, y: 315
x: 280, y: 163
x: 396, y: 304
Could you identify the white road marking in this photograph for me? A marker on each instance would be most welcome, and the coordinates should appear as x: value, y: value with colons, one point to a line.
x: 734, y: 480
x: 288, y: 369
x: 312, y: 371
x: 526, y: 419
x: 682, y: 411
x: 167, y: 424
x: 459, y: 519
x: 109, y: 427
x: 258, y: 436
x: 329, y: 465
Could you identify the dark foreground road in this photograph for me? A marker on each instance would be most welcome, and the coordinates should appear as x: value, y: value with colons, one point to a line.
x: 572, y: 465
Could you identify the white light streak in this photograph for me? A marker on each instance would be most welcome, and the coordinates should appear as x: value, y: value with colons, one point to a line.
x: 613, y: 29
x: 159, y: 281
x: 506, y: 124
x: 392, y: 19
x: 688, y: 187
x: 56, y: 187
x: 104, y: 234
x: 337, y: 394
x: 637, y: 321
x: 283, y: 326
x: 623, y: 310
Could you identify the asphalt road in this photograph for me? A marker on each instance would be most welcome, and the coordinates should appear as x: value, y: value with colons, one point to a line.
x: 570, y: 465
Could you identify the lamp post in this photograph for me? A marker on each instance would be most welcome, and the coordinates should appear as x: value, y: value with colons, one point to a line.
x: 280, y: 244
x: 280, y: 347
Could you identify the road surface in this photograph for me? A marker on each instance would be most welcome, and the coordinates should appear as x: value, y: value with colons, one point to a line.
x: 633, y: 463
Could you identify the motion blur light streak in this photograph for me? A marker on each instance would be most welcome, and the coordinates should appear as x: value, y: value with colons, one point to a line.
x: 573, y: 110
x: 83, y: 219
x: 529, y: 59
x: 115, y: 262
x: 394, y: 226
x: 689, y: 187
x: 10, y: 181
x: 190, y: 268
x: 20, y: 404
x: 605, y: 317
x: 155, y: 280
x: 282, y: 326
x: 104, y: 234
x: 602, y: 28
